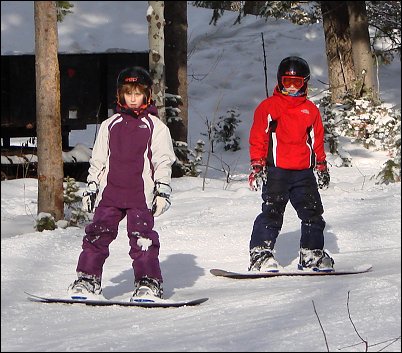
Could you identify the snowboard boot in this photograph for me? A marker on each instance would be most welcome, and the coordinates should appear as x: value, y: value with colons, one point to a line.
x: 316, y: 260
x: 263, y: 260
x: 86, y: 287
x: 147, y: 289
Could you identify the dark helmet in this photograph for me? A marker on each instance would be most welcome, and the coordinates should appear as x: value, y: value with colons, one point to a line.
x: 134, y: 74
x: 293, y: 66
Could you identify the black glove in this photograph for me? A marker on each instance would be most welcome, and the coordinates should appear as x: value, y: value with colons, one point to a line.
x: 323, y: 175
x: 89, y: 197
x: 257, y: 175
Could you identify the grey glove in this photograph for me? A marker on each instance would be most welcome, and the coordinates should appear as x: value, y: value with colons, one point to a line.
x: 89, y: 197
x: 161, y: 202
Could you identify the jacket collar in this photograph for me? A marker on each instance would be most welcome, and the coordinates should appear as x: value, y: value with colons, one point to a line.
x: 289, y: 101
x: 135, y: 113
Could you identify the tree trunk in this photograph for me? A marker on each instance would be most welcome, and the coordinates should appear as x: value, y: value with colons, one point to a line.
x: 361, y: 48
x: 176, y: 68
x: 156, y: 38
x: 48, y: 117
x: 338, y: 49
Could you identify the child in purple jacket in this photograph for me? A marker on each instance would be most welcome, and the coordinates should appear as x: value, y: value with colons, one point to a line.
x: 129, y: 175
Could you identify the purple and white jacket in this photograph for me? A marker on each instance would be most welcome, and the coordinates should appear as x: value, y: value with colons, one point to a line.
x: 130, y: 154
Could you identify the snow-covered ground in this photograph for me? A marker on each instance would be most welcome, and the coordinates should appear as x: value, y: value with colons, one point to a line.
x: 210, y: 227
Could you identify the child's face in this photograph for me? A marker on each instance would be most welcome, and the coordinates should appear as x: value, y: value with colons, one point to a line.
x: 291, y: 90
x: 134, y: 98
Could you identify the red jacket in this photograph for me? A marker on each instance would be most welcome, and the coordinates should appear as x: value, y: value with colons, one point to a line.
x: 288, y: 132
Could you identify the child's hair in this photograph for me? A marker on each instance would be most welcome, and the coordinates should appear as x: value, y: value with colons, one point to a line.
x: 128, y: 87
x: 131, y: 78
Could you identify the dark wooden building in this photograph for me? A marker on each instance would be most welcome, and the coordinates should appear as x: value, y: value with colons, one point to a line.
x: 87, y: 96
x: 87, y: 90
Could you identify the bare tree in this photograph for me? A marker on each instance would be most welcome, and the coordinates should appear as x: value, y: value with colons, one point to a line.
x: 48, y: 116
x: 176, y: 68
x: 156, y: 38
x: 338, y: 45
x: 176, y: 61
x: 362, y: 55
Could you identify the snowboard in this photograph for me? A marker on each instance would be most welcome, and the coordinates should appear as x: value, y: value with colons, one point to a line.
x: 249, y: 275
x: 160, y: 303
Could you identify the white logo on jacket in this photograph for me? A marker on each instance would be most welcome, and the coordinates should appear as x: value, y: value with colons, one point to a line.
x: 305, y: 111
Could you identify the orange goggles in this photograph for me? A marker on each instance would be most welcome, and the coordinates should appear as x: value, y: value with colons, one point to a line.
x: 295, y: 81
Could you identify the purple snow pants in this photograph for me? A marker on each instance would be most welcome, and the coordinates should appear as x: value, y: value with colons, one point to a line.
x: 143, y: 240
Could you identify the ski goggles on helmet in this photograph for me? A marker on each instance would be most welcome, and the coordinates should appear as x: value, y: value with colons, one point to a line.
x: 295, y: 81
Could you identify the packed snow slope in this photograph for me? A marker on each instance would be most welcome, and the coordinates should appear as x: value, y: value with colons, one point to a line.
x: 210, y: 221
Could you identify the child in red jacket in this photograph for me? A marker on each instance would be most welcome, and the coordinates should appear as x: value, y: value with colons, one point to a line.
x: 286, y: 145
